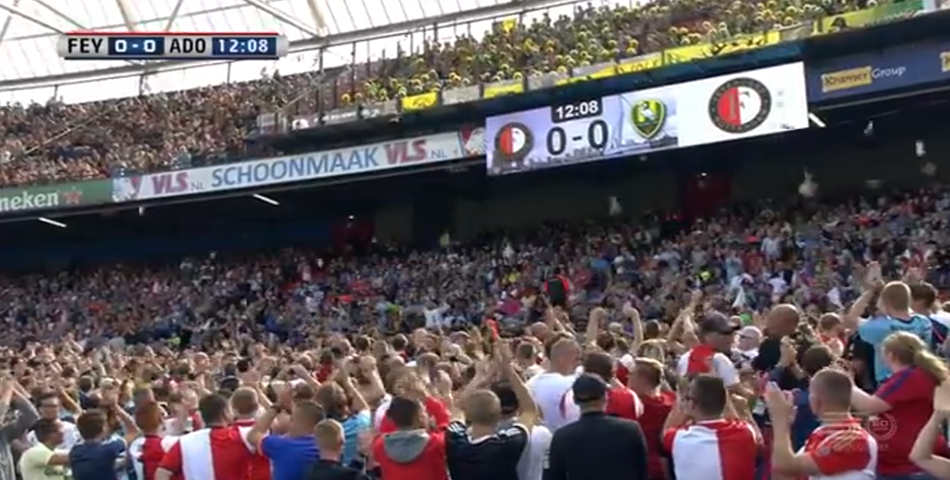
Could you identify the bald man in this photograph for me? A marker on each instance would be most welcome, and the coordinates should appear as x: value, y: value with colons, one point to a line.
x: 549, y: 388
x: 782, y: 325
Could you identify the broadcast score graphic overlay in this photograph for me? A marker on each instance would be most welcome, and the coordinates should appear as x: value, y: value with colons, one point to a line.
x: 172, y: 46
x: 728, y: 107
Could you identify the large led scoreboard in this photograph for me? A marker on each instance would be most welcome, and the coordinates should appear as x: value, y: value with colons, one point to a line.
x: 172, y: 46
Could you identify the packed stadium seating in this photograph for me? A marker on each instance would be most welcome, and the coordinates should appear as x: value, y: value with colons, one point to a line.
x: 665, y: 268
x: 57, y: 142
x: 815, y: 264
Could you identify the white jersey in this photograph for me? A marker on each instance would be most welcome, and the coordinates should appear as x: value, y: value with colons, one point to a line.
x: 548, y: 390
x: 381, y: 410
x: 534, y: 457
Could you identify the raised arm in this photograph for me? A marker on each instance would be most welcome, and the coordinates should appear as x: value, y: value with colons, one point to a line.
x: 26, y: 418
x: 637, y: 323
x: 852, y: 318
x: 923, y: 451
x: 529, y: 409
x: 376, y: 390
x: 6, y: 395
x: 357, y: 402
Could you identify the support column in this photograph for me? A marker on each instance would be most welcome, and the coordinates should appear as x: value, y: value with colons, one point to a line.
x: 432, y: 216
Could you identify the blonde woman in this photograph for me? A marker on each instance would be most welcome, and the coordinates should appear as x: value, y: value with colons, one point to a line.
x: 903, y: 404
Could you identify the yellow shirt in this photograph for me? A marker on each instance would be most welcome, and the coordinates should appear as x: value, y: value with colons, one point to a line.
x: 34, y: 464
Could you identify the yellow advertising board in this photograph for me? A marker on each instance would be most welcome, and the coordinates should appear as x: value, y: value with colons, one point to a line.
x: 887, y: 13
x: 421, y: 101
x: 640, y: 63
x: 500, y: 89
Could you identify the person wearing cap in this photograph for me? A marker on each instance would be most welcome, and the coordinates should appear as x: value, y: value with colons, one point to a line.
x: 716, y: 335
x: 597, y: 445
x: 747, y: 345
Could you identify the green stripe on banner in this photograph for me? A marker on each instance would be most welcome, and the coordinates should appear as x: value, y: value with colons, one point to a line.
x: 55, y: 196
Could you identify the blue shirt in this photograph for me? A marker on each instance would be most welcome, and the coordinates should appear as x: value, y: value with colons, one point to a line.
x: 95, y: 460
x: 290, y: 457
x: 352, y: 427
x: 939, y: 336
x: 805, y: 420
x: 875, y: 330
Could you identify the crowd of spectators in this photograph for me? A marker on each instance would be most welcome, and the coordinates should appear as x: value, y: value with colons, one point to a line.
x: 758, y: 323
x: 748, y: 258
x: 779, y: 288
x: 65, y: 142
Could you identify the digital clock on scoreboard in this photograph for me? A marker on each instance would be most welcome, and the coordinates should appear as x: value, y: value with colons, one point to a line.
x: 566, y: 112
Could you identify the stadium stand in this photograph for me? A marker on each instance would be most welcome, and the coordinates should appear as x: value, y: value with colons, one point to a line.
x: 726, y: 280
x: 61, y: 142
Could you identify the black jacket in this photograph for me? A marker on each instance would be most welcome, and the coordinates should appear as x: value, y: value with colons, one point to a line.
x: 330, y: 470
x: 598, y: 446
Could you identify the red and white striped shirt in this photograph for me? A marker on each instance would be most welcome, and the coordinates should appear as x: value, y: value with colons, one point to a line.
x: 713, y: 450
x: 621, y: 402
x: 260, y: 465
x: 216, y: 453
x: 703, y: 359
x: 850, y: 457
x: 147, y: 453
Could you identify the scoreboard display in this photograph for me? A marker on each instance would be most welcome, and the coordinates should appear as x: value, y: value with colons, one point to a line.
x: 172, y: 46
x: 728, y: 107
x: 582, y: 131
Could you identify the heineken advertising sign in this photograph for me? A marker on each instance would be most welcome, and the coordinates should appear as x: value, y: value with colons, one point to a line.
x: 55, y: 196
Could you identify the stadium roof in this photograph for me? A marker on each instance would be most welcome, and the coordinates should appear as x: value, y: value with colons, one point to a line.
x: 29, y: 29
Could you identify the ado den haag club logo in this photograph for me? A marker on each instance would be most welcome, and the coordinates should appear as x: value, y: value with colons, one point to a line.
x: 513, y: 142
x: 740, y: 105
x: 648, y: 117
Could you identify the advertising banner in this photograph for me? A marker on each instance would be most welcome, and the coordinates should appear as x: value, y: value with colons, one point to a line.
x: 473, y: 139
x: 503, y: 87
x: 548, y: 80
x: 878, y: 72
x: 592, y: 72
x: 728, y: 107
x: 342, y: 115
x: 421, y: 101
x: 340, y: 162
x: 691, y: 53
x: 56, y: 196
x: 868, y: 17
x: 462, y: 94
x: 640, y: 63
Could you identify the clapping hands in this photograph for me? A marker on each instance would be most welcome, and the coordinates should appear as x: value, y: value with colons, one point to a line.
x: 780, y: 404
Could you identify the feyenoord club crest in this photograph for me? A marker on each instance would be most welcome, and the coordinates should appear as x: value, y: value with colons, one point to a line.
x: 513, y: 142
x: 740, y: 105
x: 648, y: 117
